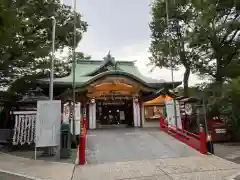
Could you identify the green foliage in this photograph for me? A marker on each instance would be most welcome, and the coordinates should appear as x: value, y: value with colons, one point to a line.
x: 204, y: 37
x: 216, y: 38
x: 169, y: 40
x: 224, y: 101
x: 8, y: 20
x: 26, y: 36
x: 62, y: 65
x: 193, y: 91
x: 62, y: 68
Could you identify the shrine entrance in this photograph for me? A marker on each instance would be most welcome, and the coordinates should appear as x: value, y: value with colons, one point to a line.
x: 114, y: 102
x: 117, y: 113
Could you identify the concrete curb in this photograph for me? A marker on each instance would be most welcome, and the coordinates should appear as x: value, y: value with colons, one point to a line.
x: 19, y: 175
x: 233, y: 176
x: 54, y: 162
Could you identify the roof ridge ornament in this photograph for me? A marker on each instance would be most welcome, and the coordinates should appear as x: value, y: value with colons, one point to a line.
x: 109, y: 58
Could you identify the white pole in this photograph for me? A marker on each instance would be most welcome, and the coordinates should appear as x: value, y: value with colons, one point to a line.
x: 169, y: 42
x: 169, y: 47
x: 73, y: 71
x: 52, y: 59
x: 35, y: 152
x: 50, y: 150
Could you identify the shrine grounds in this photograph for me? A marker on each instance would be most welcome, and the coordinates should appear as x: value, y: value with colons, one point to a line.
x: 145, y: 154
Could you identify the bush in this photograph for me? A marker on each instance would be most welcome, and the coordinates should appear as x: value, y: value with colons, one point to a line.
x: 225, y: 102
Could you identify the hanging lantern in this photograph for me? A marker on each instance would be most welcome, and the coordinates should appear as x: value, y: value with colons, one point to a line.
x: 92, y: 101
x: 135, y: 99
x: 188, y: 109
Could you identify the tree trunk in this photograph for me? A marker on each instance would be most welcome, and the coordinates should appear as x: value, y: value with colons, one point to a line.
x: 183, y: 59
x: 185, y: 81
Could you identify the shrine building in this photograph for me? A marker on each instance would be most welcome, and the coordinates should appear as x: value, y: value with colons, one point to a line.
x: 112, y: 92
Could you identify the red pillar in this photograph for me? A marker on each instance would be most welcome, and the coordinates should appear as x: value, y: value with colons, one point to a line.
x: 161, y: 123
x: 203, y: 144
x: 82, y: 140
x: 82, y: 150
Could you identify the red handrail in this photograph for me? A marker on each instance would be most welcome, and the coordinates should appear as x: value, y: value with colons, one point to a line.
x: 196, y: 141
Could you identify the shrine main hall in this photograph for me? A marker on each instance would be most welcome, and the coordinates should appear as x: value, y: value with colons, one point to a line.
x: 112, y: 93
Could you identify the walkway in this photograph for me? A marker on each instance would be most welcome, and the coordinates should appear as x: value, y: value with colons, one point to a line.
x: 7, y: 176
x: 119, y: 145
x: 126, y: 154
x: 178, y: 168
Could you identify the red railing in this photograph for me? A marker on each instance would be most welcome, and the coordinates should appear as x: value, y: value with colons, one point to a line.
x: 196, y: 141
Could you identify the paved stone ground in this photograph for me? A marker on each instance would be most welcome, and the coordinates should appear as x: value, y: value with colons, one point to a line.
x: 116, y: 145
x: 150, y: 160
x: 229, y: 151
x: 177, y: 168
x: 40, y: 169
x: 180, y: 168
x: 29, y: 153
x: 7, y: 176
x: 237, y: 178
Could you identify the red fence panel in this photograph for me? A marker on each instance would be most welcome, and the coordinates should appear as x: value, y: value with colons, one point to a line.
x: 196, y: 141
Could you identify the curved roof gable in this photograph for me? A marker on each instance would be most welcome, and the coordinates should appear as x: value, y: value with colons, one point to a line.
x: 89, y: 70
x: 107, y: 64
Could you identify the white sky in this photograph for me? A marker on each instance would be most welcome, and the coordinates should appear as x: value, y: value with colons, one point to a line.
x: 121, y: 26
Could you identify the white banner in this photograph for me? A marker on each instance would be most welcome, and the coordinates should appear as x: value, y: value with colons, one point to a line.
x: 78, y: 111
x: 136, y: 114
x: 92, y: 116
x: 171, y: 114
x: 66, y: 112
x: 48, y: 123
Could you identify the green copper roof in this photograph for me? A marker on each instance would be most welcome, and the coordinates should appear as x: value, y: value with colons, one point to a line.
x: 88, y: 70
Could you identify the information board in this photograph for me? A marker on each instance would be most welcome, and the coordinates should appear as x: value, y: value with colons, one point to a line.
x: 171, y: 114
x: 48, y: 123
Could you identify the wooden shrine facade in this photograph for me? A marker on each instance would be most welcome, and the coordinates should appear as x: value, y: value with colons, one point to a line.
x: 111, y: 92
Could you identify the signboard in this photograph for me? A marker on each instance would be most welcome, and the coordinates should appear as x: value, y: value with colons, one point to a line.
x: 78, y: 111
x: 66, y: 111
x: 48, y: 123
x: 66, y: 114
x: 171, y: 114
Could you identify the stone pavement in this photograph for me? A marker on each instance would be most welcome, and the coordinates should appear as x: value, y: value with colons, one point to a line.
x: 237, y: 177
x: 229, y: 151
x: 180, y: 168
x: 183, y: 168
x: 117, y: 145
x: 38, y: 169
x: 7, y: 176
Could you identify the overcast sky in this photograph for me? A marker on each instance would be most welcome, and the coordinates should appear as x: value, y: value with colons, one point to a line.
x: 121, y: 26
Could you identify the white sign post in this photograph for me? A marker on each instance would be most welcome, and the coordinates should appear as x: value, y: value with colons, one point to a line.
x: 171, y: 114
x: 48, y: 124
x: 78, y: 117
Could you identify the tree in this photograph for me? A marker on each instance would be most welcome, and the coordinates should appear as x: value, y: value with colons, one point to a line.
x: 216, y: 38
x: 169, y: 41
x: 8, y: 20
x: 23, y: 52
x: 63, y: 67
